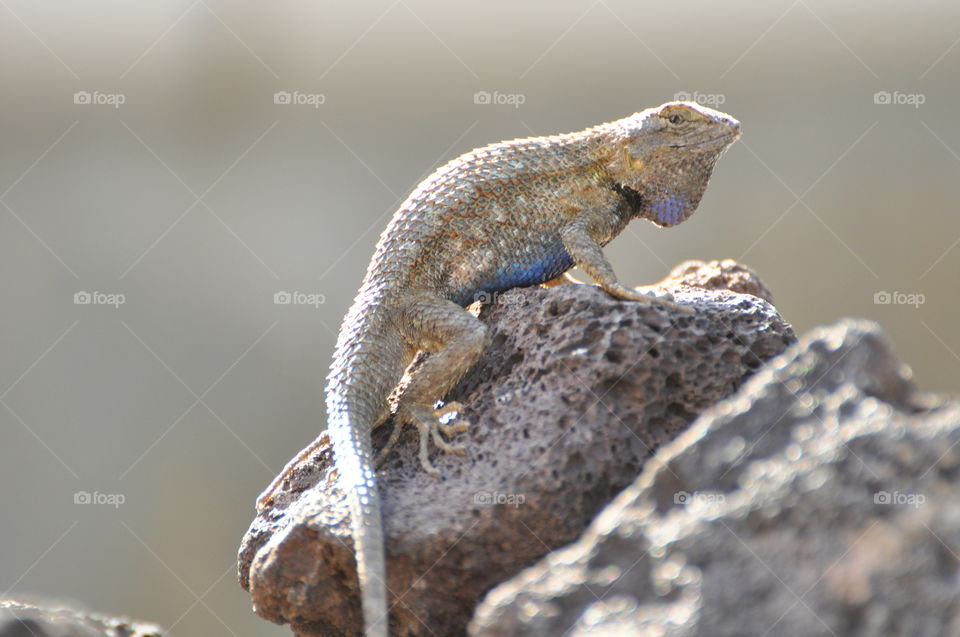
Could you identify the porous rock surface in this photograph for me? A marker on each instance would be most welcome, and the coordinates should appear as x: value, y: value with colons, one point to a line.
x: 575, y: 393
x: 21, y: 619
x: 821, y: 499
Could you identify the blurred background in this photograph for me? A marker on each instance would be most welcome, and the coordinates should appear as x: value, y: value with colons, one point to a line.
x: 191, y: 191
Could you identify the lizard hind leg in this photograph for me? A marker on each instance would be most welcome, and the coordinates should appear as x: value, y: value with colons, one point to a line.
x: 455, y: 340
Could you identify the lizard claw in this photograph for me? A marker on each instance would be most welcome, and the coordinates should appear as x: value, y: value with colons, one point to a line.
x: 657, y: 298
x: 655, y: 293
x: 666, y: 300
x: 427, y: 420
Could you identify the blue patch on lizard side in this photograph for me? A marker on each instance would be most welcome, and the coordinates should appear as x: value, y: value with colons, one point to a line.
x: 518, y: 274
x: 670, y: 210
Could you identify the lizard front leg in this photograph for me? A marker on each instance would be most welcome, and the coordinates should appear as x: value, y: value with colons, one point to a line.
x: 455, y: 340
x: 581, y: 240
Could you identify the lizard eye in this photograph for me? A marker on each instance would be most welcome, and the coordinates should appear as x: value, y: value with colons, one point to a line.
x: 675, y: 115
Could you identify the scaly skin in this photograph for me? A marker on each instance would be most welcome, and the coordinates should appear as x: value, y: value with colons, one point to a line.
x: 517, y: 213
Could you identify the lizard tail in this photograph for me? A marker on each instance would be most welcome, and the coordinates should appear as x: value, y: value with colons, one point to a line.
x: 367, y: 365
x: 354, y: 455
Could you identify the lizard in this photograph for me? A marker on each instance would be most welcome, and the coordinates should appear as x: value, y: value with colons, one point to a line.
x: 515, y: 213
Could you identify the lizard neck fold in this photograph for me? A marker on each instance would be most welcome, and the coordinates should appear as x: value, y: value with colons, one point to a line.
x: 633, y: 198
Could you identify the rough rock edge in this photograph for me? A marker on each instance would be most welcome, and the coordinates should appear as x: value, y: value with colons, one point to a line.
x: 672, y: 552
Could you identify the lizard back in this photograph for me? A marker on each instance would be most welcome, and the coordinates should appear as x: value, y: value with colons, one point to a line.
x: 434, y: 241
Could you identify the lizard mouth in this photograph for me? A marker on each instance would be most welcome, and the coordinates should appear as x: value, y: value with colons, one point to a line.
x: 721, y: 139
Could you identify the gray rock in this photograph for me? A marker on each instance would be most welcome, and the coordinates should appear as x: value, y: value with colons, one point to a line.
x: 820, y: 499
x: 20, y: 619
x: 574, y: 395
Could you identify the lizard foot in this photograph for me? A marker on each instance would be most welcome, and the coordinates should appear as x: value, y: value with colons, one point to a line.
x: 428, y: 422
x: 656, y: 298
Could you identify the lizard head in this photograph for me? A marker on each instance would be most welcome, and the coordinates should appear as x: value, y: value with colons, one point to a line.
x: 666, y: 155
